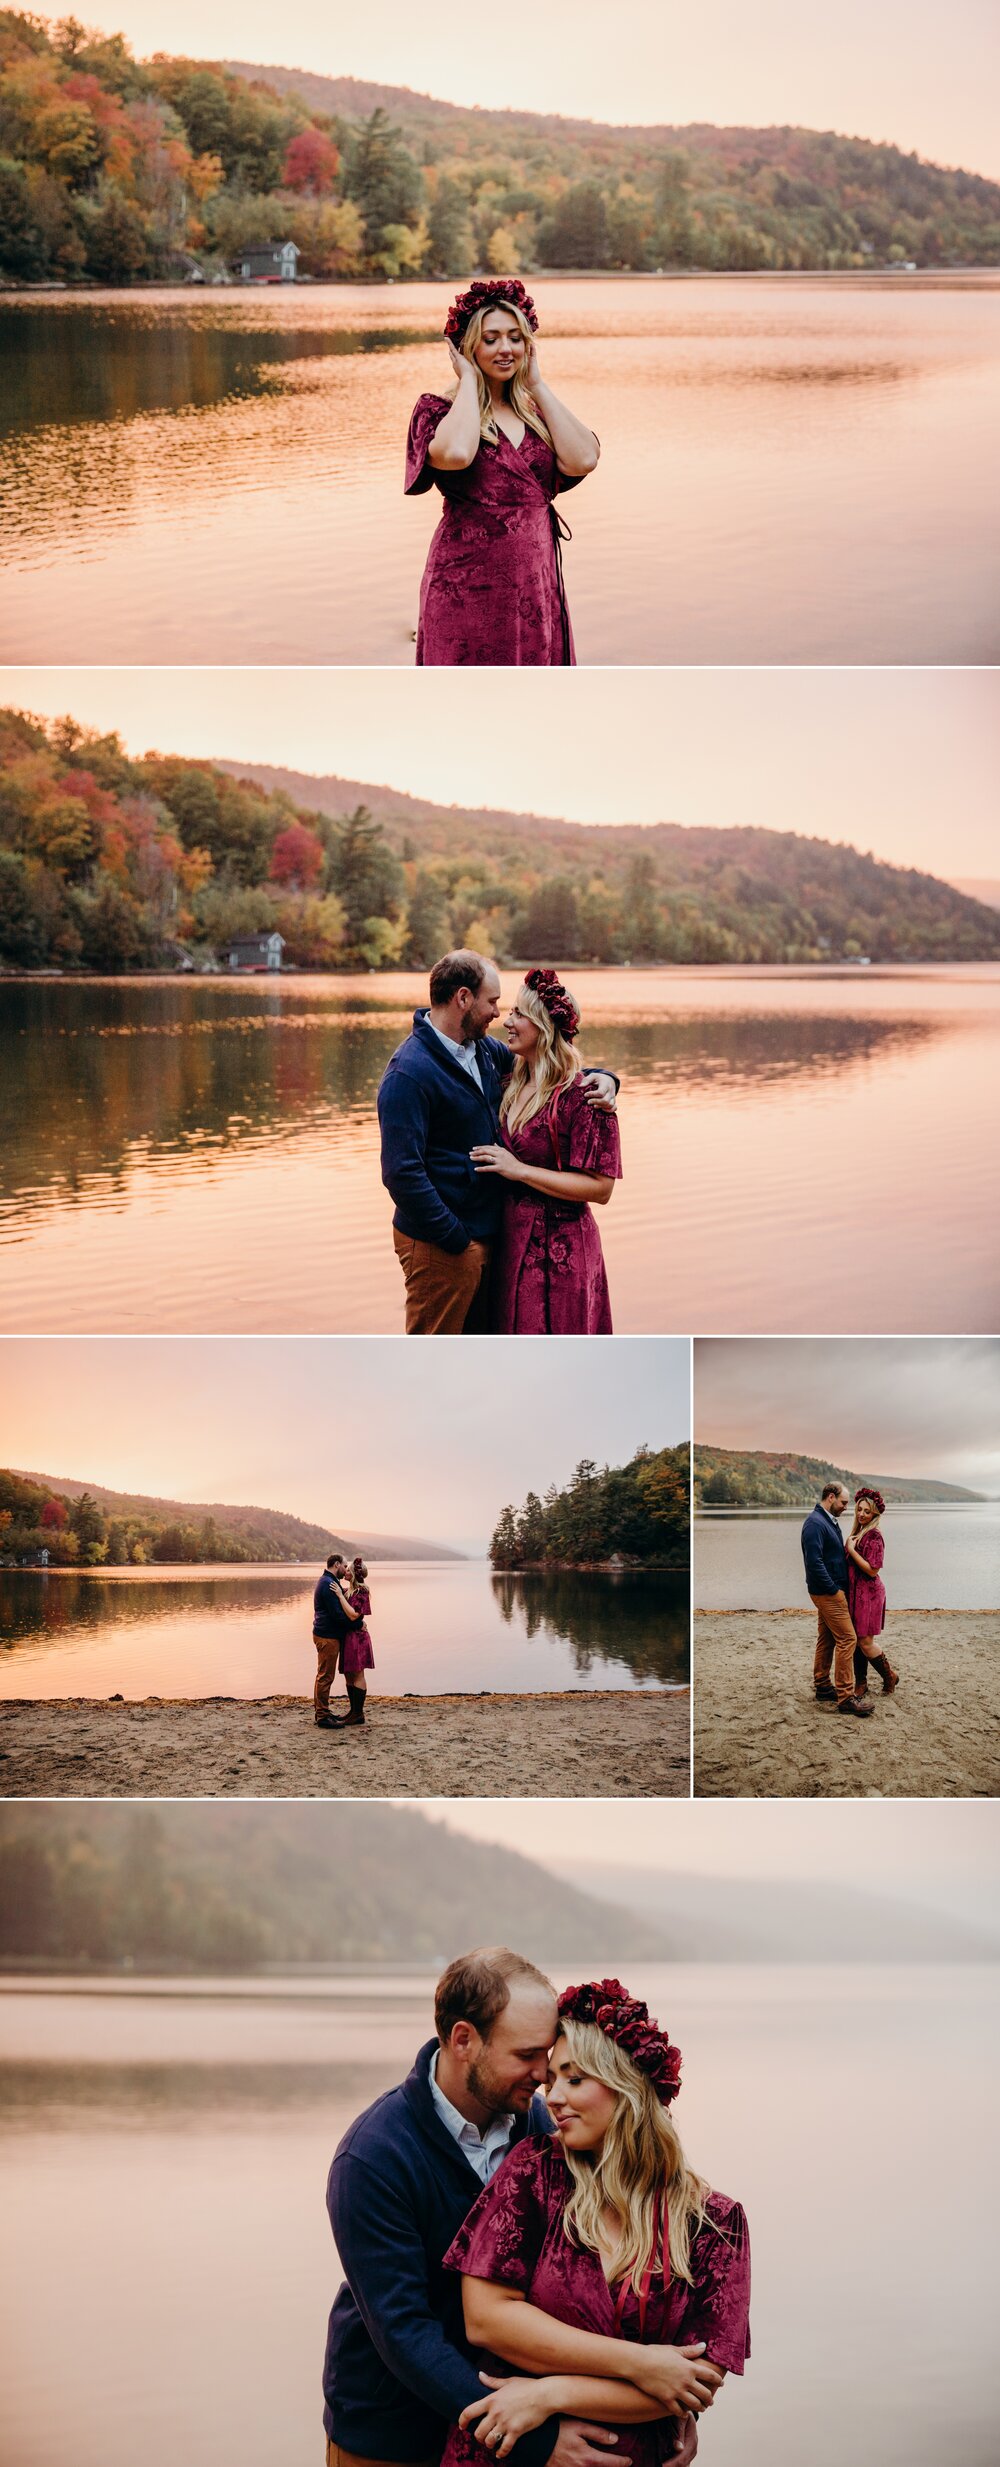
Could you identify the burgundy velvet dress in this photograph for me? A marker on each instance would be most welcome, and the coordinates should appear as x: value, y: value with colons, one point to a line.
x: 866, y: 1594
x: 492, y: 595
x: 549, y: 1277
x: 356, y: 1651
x: 514, y: 2237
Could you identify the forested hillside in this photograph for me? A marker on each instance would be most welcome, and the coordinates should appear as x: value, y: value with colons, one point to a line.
x: 208, y: 1887
x: 87, y: 1526
x: 744, y: 1478
x: 115, y: 170
x: 110, y: 864
x: 637, y: 1512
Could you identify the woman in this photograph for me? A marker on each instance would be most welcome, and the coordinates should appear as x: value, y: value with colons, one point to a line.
x: 356, y: 1655
x: 866, y: 1591
x: 596, y: 2263
x: 559, y: 1156
x: 499, y: 448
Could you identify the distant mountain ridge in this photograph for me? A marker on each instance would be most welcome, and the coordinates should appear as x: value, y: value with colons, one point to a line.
x: 807, y: 890
x: 295, y: 1536
x: 787, y: 1919
x: 741, y: 1477
x: 209, y: 1886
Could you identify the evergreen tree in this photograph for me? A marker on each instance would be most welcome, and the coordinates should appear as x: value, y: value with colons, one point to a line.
x: 503, y: 1547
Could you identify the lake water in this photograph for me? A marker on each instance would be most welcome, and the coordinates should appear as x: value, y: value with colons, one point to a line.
x: 799, y: 469
x: 939, y: 1555
x: 193, y: 1155
x: 248, y: 1632
x: 168, y: 2266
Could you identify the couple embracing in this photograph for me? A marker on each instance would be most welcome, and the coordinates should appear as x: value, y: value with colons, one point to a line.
x: 495, y: 1153
x: 529, y: 2277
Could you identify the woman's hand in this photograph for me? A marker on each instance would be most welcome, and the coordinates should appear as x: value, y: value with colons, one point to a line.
x: 681, y: 2377
x: 493, y: 1158
x: 461, y: 367
x: 532, y: 372
x: 515, y: 2407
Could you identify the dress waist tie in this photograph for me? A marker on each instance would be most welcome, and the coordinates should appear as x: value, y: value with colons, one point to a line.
x: 560, y: 532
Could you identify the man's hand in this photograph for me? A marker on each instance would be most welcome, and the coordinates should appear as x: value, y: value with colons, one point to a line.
x: 680, y: 2377
x: 601, y: 1091
x: 582, y: 2445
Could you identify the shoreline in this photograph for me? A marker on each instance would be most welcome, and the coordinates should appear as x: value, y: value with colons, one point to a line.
x: 759, y: 1733
x: 591, y: 1743
x: 89, y: 290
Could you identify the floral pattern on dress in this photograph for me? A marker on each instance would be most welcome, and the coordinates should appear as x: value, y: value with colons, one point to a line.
x: 515, y: 2236
x: 866, y: 1594
x: 492, y: 593
x: 549, y: 1277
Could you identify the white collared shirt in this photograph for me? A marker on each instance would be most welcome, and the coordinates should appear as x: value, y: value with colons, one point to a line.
x: 484, y: 2151
x: 466, y: 1055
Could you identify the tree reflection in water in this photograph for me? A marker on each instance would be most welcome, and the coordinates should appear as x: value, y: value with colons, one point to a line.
x: 626, y: 1616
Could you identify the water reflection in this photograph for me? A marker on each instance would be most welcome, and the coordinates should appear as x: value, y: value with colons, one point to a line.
x: 174, y: 1071
x: 144, y: 1119
x: 437, y: 1627
x: 641, y: 1621
x: 793, y: 470
x: 51, y: 1610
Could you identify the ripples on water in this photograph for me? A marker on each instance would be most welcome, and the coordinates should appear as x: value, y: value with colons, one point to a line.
x: 145, y: 1119
x: 436, y: 1629
x: 793, y: 469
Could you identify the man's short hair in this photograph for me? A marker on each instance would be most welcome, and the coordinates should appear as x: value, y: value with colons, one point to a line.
x: 831, y: 1490
x: 336, y: 1559
x: 476, y: 1988
x: 455, y: 969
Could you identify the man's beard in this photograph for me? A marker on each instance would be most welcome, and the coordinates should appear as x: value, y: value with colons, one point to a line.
x: 486, y: 2089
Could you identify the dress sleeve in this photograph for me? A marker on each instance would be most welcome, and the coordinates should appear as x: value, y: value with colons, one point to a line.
x: 589, y: 1141
x: 719, y: 2311
x: 569, y: 479
x: 503, y: 2235
x: 872, y: 1548
x: 426, y: 418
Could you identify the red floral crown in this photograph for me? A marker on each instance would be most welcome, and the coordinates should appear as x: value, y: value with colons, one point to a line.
x: 608, y: 2007
x: 865, y: 1493
x: 506, y: 292
x: 556, y: 1000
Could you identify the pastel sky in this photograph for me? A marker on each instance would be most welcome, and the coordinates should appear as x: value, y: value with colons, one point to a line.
x: 918, y: 72
x: 363, y: 1432
x: 903, y: 761
x: 928, y: 1406
x: 859, y: 1840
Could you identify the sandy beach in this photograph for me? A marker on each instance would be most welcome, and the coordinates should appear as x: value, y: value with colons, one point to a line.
x: 759, y: 1733
x: 607, y: 1744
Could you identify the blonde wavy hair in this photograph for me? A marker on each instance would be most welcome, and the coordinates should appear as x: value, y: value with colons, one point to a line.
x: 556, y: 1062
x: 518, y: 396
x: 640, y: 2162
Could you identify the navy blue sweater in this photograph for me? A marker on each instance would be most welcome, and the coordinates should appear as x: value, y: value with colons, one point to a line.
x: 329, y: 1616
x: 823, y: 1552
x: 431, y: 1113
x: 398, y: 2366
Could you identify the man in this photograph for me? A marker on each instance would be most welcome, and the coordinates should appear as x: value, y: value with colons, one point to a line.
x: 439, y: 1097
x: 398, y: 2366
x: 332, y: 1616
x: 826, y: 1584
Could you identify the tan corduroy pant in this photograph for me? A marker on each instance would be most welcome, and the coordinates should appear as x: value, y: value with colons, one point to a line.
x: 835, y: 1642
x: 446, y: 1291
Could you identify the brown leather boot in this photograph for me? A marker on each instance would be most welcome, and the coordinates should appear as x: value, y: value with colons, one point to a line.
x: 888, y: 1676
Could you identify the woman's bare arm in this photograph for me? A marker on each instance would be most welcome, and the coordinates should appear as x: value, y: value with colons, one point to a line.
x: 576, y: 448
x: 500, y: 2319
x: 456, y: 440
x: 493, y: 1158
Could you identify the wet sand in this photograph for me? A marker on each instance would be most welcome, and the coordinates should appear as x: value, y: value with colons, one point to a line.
x: 607, y: 1744
x: 759, y: 1733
